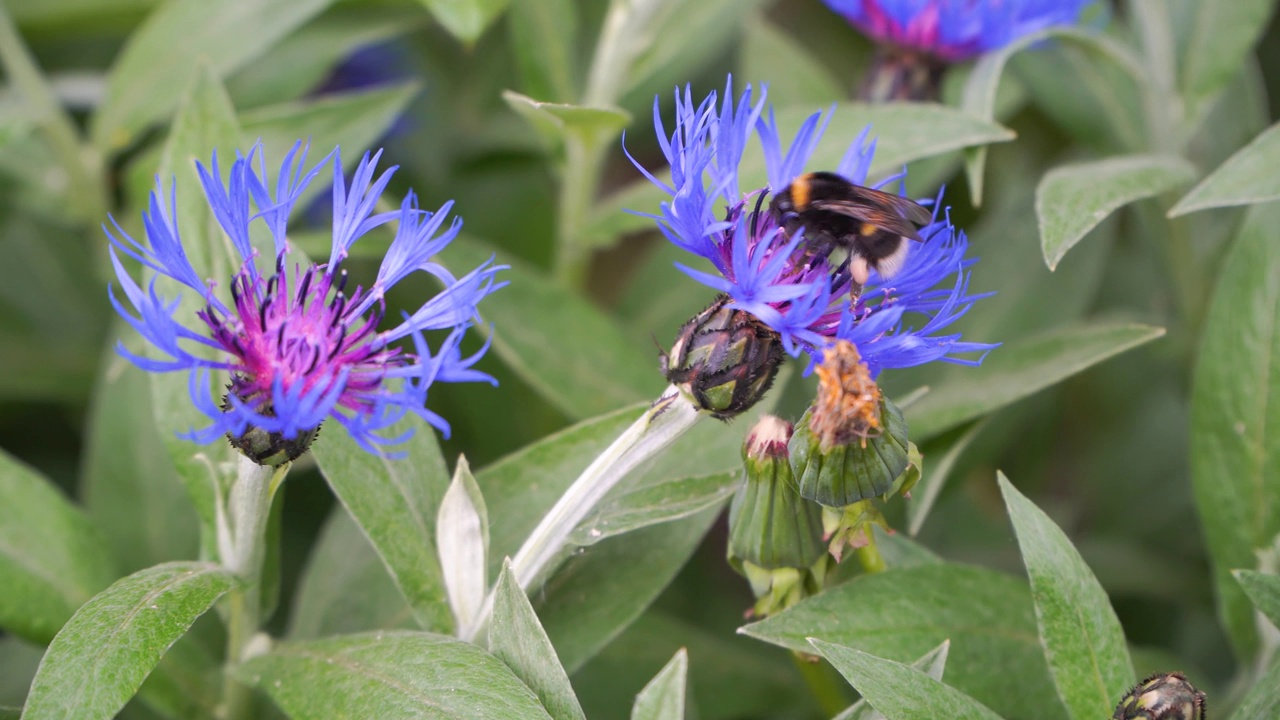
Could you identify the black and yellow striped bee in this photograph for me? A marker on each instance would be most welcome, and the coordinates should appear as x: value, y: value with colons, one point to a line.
x: 872, y: 226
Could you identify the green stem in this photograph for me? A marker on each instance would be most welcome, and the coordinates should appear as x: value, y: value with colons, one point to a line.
x: 869, y: 555
x: 1186, y: 277
x: 667, y: 419
x: 1162, y: 106
x: 829, y: 694
x: 242, y: 545
x: 627, y: 31
x: 582, y: 166
x: 83, y: 166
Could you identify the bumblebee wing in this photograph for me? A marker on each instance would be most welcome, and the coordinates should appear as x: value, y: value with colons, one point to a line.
x: 884, y: 219
x: 906, y: 207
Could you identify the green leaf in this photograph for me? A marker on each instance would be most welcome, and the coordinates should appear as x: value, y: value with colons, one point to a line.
x: 128, y: 483
x: 931, y: 664
x: 900, y: 551
x: 102, y: 655
x: 1246, y: 177
x: 18, y: 662
x: 10, y: 713
x: 936, y: 472
x: 733, y: 678
x: 462, y: 536
x: 187, y: 682
x: 664, y: 697
x: 395, y: 503
x: 345, y: 588
x: 157, y: 62
x: 771, y: 57
x: 75, y: 13
x: 353, y: 120
x: 465, y: 19
x: 684, y: 35
x: 595, y: 595
x: 904, y: 613
x: 1021, y: 368
x: 1264, y: 591
x: 1092, y: 99
x: 1235, y: 449
x: 52, y: 558
x: 671, y: 499
x: 571, y: 353
x: 1262, y: 700
x: 904, y: 132
x: 979, y: 98
x: 1083, y: 641
x: 1071, y: 200
x: 544, y: 40
x: 516, y: 637
x: 205, y: 121
x: 593, y: 125
x: 299, y: 63
x: 390, y: 675
x: 1222, y: 36
x: 900, y: 692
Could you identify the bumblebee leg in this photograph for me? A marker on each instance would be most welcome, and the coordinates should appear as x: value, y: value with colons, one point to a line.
x: 859, y: 269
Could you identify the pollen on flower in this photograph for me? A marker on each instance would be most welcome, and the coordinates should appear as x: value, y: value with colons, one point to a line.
x: 848, y: 402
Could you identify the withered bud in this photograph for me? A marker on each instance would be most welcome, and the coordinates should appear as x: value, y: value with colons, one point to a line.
x: 847, y: 407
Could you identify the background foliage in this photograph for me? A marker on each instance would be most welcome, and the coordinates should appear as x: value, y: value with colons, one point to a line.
x: 1114, y: 180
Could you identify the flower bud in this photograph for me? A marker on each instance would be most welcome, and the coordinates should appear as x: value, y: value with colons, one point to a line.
x: 724, y: 358
x: 852, y: 443
x: 770, y: 525
x: 1165, y: 696
x: 271, y: 448
x: 901, y: 74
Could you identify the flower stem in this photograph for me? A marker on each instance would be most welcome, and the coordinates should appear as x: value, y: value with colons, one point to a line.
x: 627, y: 30
x: 582, y: 163
x: 829, y: 695
x: 242, y: 544
x: 667, y: 419
x: 869, y: 555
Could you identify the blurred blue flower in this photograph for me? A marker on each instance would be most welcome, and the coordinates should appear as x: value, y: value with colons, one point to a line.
x: 298, y: 345
x: 808, y: 299
x: 955, y: 30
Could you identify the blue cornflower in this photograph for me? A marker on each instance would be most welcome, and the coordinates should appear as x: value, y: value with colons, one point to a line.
x: 297, y: 344
x: 955, y: 30
x: 810, y: 300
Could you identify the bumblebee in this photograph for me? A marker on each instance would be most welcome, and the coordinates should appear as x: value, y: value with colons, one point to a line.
x: 872, y: 226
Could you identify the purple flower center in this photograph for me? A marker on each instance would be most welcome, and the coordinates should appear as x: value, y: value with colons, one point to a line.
x: 305, y: 339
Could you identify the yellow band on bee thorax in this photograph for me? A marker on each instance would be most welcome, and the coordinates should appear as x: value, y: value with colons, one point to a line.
x: 800, y: 192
